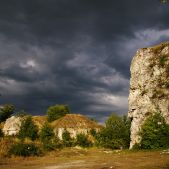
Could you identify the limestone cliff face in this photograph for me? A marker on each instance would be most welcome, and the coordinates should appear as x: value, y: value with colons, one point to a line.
x: 12, y: 126
x: 149, y: 86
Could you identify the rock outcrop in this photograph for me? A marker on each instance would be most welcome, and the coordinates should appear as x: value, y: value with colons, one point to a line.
x: 149, y: 86
x: 12, y: 126
x: 75, y: 124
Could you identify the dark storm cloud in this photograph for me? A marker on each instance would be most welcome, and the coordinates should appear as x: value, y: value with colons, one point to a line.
x: 74, y: 52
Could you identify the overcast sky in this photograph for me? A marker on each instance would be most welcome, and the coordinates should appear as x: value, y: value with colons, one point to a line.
x: 75, y: 52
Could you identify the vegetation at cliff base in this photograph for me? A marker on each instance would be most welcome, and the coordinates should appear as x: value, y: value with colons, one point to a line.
x: 67, y: 140
x: 154, y: 132
x: 33, y: 140
x: 116, y: 134
x: 83, y: 141
x: 48, y: 138
x: 28, y: 129
x: 46, y: 133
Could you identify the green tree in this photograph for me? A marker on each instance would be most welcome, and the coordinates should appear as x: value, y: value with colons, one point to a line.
x: 116, y: 133
x: 6, y: 112
x: 155, y: 132
x: 28, y: 129
x: 83, y: 141
x: 48, y: 139
x: 46, y: 134
x: 66, y: 139
x: 93, y: 132
x: 56, y: 112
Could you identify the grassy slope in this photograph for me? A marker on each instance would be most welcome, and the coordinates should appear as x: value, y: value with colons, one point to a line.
x: 90, y: 158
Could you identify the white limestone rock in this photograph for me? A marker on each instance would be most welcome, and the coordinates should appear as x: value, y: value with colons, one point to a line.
x: 149, y: 86
x: 12, y: 126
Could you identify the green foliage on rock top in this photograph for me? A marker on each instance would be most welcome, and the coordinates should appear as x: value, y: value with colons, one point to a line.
x: 162, y: 60
x: 116, y: 134
x: 154, y: 133
x: 21, y: 113
x: 6, y: 112
x: 56, y: 112
x: 28, y: 129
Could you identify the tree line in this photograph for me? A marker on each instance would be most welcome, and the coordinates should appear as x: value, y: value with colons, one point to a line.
x: 114, y: 135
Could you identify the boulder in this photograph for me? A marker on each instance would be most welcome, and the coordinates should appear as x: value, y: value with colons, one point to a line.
x: 12, y: 126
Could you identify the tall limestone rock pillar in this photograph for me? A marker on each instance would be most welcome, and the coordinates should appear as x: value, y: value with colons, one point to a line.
x: 149, y: 86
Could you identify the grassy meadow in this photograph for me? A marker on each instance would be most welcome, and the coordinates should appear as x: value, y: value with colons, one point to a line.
x: 91, y: 158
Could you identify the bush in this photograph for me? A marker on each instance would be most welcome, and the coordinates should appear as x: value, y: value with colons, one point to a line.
x: 82, y: 140
x: 93, y: 132
x: 57, y: 111
x: 46, y: 133
x: 53, y: 144
x: 28, y: 129
x: 116, y: 134
x: 66, y: 139
x: 6, y: 112
x: 154, y: 133
x: 22, y: 149
x: 21, y: 113
x: 48, y: 139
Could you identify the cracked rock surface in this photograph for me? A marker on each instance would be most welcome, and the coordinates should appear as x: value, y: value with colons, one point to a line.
x: 149, y: 86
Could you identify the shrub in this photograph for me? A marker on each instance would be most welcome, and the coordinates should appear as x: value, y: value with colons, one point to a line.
x: 21, y: 113
x: 116, y: 134
x: 162, y: 60
x: 48, y: 139
x: 93, y: 132
x: 155, y: 132
x: 22, y: 149
x: 66, y: 139
x: 57, y: 111
x: 28, y: 129
x: 82, y: 140
x: 46, y: 133
x: 52, y: 144
x: 6, y: 112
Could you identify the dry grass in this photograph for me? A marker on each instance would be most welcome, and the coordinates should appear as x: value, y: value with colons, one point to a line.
x: 39, y: 120
x: 5, y: 144
x: 75, y: 121
x: 72, y: 158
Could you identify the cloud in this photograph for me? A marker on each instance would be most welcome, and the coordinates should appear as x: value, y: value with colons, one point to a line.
x: 74, y: 52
